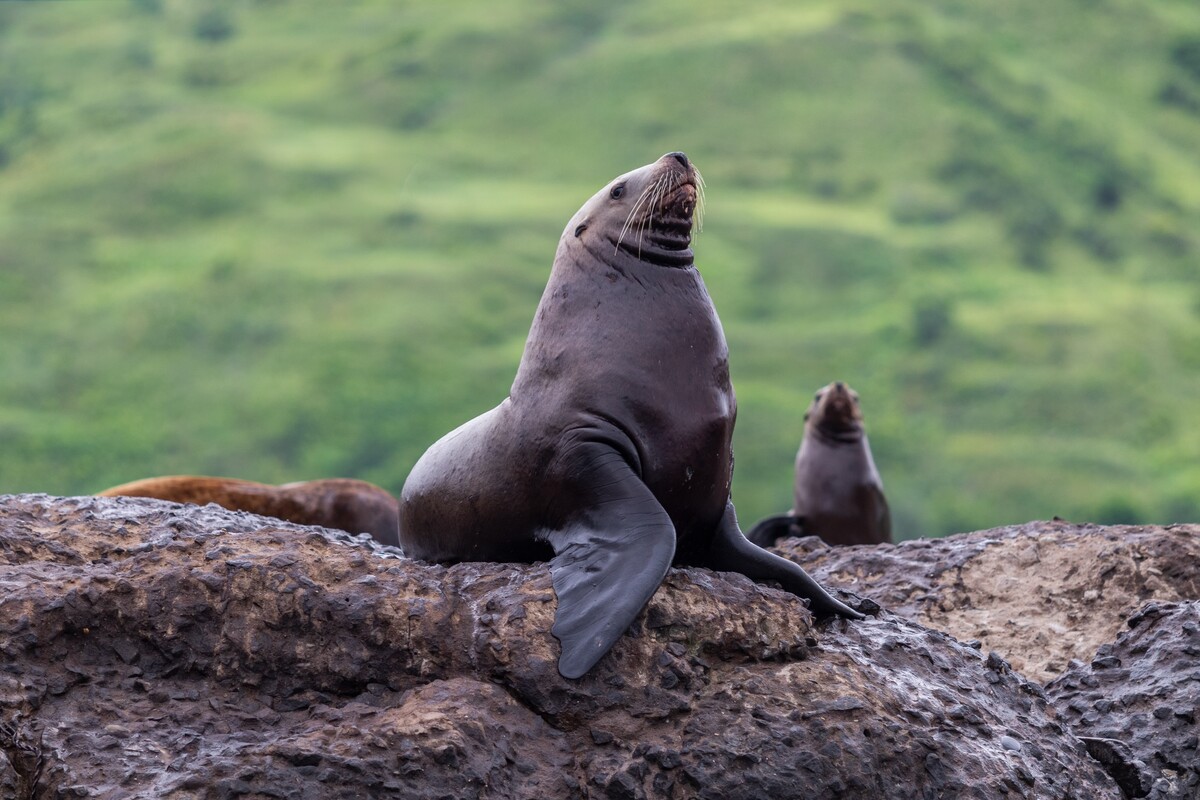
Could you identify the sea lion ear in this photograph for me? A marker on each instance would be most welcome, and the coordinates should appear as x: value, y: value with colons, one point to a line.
x: 580, y: 229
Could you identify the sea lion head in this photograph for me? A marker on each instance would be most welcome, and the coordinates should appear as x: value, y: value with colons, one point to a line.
x: 835, y: 412
x: 644, y: 215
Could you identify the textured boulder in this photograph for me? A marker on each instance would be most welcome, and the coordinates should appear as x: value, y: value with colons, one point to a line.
x: 155, y: 650
x: 1137, y: 702
x: 1041, y: 594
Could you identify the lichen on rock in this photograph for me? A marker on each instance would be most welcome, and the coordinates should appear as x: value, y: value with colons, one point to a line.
x: 1042, y: 593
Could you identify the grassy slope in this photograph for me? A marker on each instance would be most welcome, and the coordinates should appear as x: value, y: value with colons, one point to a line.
x: 312, y: 247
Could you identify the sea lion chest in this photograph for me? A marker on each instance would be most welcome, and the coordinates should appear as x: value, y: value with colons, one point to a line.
x: 837, y: 487
x: 638, y: 355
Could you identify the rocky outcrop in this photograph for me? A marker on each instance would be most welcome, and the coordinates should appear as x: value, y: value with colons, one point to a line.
x: 1056, y: 598
x: 155, y: 650
x: 1042, y: 593
x: 1137, y: 701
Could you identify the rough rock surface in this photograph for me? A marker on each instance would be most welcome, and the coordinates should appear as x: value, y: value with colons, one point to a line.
x: 1138, y: 700
x: 155, y: 650
x: 1041, y: 594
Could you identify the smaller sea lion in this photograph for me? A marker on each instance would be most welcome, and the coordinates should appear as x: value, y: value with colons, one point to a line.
x: 349, y: 505
x: 838, y: 493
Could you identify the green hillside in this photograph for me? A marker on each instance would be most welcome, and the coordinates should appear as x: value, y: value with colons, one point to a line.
x: 283, y: 240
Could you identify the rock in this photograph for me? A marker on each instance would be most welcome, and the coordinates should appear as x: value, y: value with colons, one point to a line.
x: 1040, y: 594
x: 1131, y: 774
x: 1137, y: 705
x: 157, y: 650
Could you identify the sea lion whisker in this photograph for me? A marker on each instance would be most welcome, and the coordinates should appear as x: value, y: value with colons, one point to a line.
x: 648, y: 216
x: 649, y: 195
x: 629, y: 219
x: 626, y: 227
x: 648, y: 209
x: 660, y: 189
x: 648, y: 219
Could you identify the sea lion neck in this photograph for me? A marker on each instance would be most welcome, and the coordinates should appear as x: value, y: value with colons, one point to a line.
x: 607, y: 312
x: 654, y: 252
x: 830, y: 432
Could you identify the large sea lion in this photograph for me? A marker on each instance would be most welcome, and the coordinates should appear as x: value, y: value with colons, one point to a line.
x: 612, y: 455
x: 348, y: 505
x: 838, y: 492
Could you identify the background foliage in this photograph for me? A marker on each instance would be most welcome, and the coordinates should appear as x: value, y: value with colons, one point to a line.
x: 282, y: 240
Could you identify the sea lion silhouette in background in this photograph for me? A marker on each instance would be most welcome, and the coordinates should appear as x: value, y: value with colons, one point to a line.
x: 612, y: 454
x: 349, y: 505
x: 838, y: 492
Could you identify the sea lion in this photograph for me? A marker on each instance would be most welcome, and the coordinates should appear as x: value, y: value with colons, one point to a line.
x: 838, y: 493
x: 349, y: 505
x: 611, y: 455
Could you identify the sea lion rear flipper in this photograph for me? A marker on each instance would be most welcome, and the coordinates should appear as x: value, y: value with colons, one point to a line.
x: 884, y: 515
x: 767, y: 530
x: 732, y: 552
x: 608, y: 560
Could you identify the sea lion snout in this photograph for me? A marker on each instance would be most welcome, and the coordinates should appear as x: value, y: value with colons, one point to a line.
x: 838, y: 389
x: 679, y: 167
x: 836, y: 405
x: 685, y: 199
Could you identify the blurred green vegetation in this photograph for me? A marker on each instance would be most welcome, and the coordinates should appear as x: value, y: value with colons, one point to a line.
x: 283, y: 240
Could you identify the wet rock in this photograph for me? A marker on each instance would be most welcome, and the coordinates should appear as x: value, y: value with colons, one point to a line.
x: 1140, y: 720
x: 154, y: 650
x: 1039, y: 594
x: 1131, y: 774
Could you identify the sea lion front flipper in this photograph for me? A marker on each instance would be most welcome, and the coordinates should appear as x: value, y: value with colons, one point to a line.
x: 609, y: 559
x: 767, y: 530
x: 732, y: 552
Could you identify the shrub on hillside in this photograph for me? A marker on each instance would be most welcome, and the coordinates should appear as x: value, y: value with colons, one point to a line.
x: 214, y: 25
x: 932, y: 318
x: 1186, y: 54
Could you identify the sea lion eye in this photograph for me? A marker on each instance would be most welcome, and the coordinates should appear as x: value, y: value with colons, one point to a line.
x: 617, y: 191
x: 580, y: 230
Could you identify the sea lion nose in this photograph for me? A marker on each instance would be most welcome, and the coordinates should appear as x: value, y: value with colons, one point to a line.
x: 680, y: 157
x: 839, y: 386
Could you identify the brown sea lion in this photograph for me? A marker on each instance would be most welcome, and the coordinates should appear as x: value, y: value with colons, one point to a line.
x: 612, y: 454
x: 838, y: 492
x: 349, y: 505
